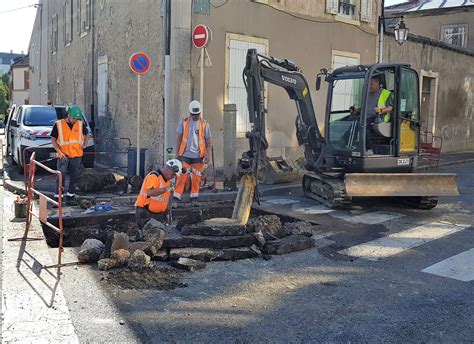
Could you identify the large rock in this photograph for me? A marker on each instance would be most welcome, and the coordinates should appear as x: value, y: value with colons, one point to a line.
x: 145, y: 246
x: 106, y: 264
x: 259, y: 238
x: 153, y: 224
x: 154, y: 234
x: 95, y: 180
x: 301, y: 228
x: 161, y: 256
x: 215, y: 227
x: 119, y: 241
x: 139, y: 260
x: 289, y: 244
x: 189, y: 264
x: 238, y: 253
x: 121, y: 256
x: 178, y: 241
x: 202, y: 254
x: 269, y: 225
x: 194, y: 216
x: 90, y: 251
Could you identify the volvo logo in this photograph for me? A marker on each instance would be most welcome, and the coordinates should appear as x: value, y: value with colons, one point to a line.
x: 288, y: 79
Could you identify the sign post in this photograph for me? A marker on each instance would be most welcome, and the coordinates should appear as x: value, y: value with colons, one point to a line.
x: 140, y: 64
x: 200, y: 39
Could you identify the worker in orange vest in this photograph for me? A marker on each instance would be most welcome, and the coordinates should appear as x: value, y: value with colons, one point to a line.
x: 154, y: 198
x: 69, y: 136
x: 193, y: 146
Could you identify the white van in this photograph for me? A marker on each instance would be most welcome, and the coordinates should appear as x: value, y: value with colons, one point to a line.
x: 31, y: 127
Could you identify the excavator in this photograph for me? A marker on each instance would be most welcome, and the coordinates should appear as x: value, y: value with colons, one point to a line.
x: 338, y: 165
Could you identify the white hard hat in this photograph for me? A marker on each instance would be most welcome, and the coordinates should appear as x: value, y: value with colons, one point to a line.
x: 176, y: 166
x: 195, y: 107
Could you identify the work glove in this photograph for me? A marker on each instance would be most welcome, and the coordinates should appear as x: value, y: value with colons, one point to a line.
x: 169, y: 189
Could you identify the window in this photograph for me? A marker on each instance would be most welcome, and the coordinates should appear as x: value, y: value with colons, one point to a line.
x: 237, y: 46
x: 54, y: 33
x: 351, y: 9
x: 67, y: 14
x: 347, y: 8
x: 84, y: 16
x: 202, y: 7
x: 26, y: 80
x: 454, y: 34
x: 346, y: 93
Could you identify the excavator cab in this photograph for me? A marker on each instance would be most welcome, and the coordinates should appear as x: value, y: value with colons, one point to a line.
x: 358, y: 136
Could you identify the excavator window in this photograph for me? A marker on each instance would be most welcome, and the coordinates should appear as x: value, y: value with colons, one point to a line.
x: 344, y: 121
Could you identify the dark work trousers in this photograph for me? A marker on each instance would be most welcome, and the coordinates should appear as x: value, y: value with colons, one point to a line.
x: 73, y: 166
x: 143, y: 215
x: 369, y: 133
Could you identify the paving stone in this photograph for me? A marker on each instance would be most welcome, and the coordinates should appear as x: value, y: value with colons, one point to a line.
x: 215, y: 227
x: 301, y: 228
x: 119, y: 240
x: 107, y: 264
x: 90, y: 251
x: 121, y: 256
x: 188, y: 264
x: 176, y: 240
x: 202, y: 254
x: 289, y: 244
x: 259, y: 238
x: 139, y: 260
x: 161, y: 256
x: 154, y: 232
x: 269, y: 225
x: 145, y: 246
x: 238, y: 253
x: 194, y: 216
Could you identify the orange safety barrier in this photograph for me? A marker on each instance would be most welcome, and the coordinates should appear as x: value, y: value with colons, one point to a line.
x: 43, y: 208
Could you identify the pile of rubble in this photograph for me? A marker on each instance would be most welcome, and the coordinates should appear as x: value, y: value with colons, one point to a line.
x: 194, y: 241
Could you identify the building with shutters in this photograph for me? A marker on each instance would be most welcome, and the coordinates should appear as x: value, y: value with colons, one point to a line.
x: 87, y: 45
x: 20, y: 81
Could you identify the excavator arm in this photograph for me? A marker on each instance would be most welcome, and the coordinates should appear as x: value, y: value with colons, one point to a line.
x: 283, y: 73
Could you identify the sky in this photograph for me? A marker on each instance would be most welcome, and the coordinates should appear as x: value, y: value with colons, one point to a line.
x: 16, y: 26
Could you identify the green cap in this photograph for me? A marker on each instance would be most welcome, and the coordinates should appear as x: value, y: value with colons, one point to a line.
x: 75, y: 112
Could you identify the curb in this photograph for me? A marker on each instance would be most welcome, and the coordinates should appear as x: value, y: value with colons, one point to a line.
x: 447, y: 163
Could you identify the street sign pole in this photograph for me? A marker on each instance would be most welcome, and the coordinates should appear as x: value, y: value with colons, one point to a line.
x: 140, y: 64
x: 201, y: 82
x: 138, y: 124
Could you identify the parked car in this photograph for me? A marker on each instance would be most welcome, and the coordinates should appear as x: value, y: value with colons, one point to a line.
x: 30, y: 128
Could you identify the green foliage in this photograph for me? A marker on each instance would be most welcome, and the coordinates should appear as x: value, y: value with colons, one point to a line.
x: 4, y: 94
x: 6, y: 79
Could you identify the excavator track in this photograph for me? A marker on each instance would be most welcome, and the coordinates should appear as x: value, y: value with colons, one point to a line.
x: 328, y: 190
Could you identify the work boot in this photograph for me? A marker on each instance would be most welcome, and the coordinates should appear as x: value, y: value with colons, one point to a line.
x: 71, y: 199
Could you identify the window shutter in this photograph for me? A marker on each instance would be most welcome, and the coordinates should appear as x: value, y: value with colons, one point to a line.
x: 332, y: 6
x: 366, y: 10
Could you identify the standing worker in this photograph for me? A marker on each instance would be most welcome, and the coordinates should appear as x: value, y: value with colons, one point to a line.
x: 68, y: 137
x: 193, y: 145
x: 154, y: 197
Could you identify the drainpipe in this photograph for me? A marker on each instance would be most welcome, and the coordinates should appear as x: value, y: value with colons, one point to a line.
x: 167, y: 45
x: 92, y: 122
x: 381, y: 32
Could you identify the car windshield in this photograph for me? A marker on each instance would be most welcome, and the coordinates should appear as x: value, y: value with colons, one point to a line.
x: 61, y: 112
x: 39, y: 116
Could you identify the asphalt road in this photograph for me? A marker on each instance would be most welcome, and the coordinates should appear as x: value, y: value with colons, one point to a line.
x: 363, y: 283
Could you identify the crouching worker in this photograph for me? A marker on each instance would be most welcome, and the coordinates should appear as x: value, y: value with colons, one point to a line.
x: 155, y: 194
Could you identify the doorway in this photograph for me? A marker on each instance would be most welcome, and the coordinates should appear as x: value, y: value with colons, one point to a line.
x: 429, y: 85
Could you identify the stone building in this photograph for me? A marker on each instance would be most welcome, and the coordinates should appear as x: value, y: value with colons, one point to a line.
x: 89, y: 43
x: 441, y: 48
x: 20, y: 83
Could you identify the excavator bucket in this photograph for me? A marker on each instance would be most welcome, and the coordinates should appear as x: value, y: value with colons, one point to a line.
x: 244, y: 200
x: 401, y: 184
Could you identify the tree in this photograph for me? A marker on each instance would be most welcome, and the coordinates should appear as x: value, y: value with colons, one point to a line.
x: 4, y: 94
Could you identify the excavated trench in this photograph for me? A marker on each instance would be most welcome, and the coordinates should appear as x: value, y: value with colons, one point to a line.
x: 200, y: 241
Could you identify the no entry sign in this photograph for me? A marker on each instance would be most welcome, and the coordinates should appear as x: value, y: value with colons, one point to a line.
x: 200, y: 36
x: 139, y: 63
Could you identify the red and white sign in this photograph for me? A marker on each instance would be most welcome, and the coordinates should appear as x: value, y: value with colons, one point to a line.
x: 200, y: 36
x: 139, y: 63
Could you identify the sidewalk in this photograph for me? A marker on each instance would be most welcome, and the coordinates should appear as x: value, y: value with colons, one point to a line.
x: 34, y: 309
x: 447, y: 159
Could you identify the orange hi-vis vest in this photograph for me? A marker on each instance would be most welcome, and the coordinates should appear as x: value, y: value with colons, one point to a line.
x: 155, y: 204
x: 184, y: 141
x: 70, y: 140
